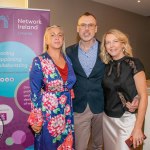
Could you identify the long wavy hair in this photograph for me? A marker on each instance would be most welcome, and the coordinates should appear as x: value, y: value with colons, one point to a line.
x: 127, y: 50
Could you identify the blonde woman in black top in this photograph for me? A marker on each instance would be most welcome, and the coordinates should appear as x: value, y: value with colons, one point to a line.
x: 124, y: 80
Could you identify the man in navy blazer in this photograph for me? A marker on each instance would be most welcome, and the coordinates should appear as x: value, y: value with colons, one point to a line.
x: 88, y: 103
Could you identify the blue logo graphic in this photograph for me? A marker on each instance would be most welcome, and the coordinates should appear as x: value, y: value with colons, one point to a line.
x: 4, y: 20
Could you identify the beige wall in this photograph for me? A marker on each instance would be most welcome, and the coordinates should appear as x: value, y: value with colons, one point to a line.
x: 14, y: 3
x: 66, y: 13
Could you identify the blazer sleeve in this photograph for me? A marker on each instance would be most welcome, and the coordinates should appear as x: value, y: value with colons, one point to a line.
x: 36, y: 83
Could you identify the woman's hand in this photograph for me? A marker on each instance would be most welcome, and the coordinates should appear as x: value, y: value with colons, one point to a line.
x: 138, y: 137
x: 134, y: 105
x: 36, y: 129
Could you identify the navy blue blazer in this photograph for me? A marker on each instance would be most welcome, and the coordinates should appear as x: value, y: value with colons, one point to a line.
x: 87, y: 89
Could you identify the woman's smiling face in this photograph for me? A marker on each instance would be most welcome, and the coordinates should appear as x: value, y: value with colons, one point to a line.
x: 114, y: 47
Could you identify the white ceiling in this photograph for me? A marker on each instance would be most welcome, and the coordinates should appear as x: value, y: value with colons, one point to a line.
x: 142, y: 8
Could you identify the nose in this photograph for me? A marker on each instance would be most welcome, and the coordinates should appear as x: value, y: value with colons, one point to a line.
x: 86, y: 26
x: 111, y: 44
x: 57, y: 37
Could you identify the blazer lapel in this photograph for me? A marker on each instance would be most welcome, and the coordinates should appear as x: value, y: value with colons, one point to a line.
x: 97, y: 61
x: 77, y: 65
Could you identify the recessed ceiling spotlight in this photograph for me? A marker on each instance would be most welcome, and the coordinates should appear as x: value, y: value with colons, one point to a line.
x: 138, y: 1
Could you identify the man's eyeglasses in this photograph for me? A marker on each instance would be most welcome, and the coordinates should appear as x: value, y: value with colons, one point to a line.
x: 84, y: 26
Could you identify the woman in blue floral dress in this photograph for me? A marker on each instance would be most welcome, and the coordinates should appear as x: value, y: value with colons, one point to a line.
x: 51, y: 81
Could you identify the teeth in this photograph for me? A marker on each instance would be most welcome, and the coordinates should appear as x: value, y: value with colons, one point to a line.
x: 86, y: 34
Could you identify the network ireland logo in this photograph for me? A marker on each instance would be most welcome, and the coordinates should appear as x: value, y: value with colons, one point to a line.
x: 3, y: 21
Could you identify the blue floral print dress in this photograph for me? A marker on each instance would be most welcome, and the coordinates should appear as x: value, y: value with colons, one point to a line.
x: 51, y: 104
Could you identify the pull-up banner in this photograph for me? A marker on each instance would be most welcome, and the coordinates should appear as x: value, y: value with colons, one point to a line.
x: 21, y: 39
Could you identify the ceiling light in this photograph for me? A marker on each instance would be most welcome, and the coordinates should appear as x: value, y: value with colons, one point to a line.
x: 138, y: 1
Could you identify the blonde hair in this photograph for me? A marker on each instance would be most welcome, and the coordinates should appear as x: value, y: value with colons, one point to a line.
x: 45, y: 46
x: 105, y: 57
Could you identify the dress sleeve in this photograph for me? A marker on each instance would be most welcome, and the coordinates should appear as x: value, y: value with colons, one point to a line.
x: 36, y: 84
x: 137, y: 66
